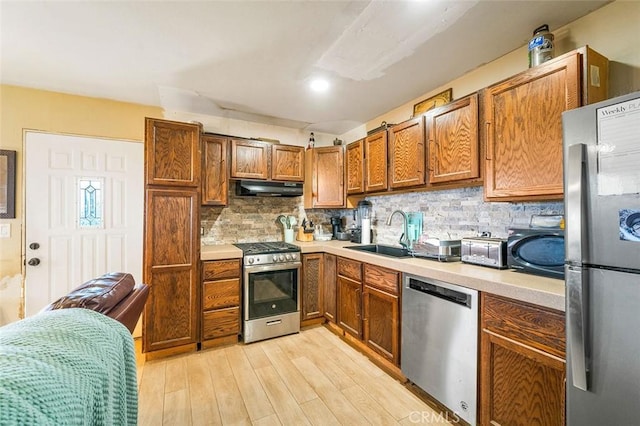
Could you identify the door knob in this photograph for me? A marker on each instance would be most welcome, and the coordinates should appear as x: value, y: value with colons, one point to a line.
x: 34, y: 261
x: 34, y: 246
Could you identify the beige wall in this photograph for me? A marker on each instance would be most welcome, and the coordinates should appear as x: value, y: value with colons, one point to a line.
x: 23, y: 108
x: 612, y: 30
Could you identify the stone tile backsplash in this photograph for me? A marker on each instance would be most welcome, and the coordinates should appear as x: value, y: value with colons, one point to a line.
x: 453, y: 213
x: 251, y: 219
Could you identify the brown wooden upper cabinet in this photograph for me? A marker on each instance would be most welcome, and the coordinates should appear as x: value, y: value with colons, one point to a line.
x: 523, y: 124
x: 215, y: 183
x: 375, y: 153
x: 355, y: 167
x: 454, y: 146
x: 407, y: 154
x: 250, y: 159
x: 324, y: 186
x: 287, y: 163
x: 172, y: 153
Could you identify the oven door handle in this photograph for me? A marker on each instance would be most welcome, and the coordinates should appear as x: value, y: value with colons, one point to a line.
x: 272, y: 267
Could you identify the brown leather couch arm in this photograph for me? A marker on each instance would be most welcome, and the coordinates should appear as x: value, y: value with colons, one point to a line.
x: 114, y: 294
x: 128, y: 311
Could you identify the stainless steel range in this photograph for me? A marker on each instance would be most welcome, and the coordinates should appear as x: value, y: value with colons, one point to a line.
x: 271, y: 289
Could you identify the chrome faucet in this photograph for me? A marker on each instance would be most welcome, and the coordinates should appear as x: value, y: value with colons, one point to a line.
x: 404, y: 238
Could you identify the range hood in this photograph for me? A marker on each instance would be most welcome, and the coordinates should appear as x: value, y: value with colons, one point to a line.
x: 268, y: 188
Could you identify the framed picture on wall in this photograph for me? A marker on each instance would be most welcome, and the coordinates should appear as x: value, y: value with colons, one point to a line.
x: 7, y: 184
x: 432, y: 102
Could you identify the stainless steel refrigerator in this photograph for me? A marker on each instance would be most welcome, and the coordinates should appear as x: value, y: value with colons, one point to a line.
x: 602, y: 271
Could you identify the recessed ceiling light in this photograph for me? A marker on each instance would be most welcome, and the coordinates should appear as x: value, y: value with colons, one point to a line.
x: 319, y: 85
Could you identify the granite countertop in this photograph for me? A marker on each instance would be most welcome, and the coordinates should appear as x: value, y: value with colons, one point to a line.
x: 548, y: 292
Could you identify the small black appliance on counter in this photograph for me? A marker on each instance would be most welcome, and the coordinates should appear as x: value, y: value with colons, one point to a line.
x: 336, y: 229
x: 538, y: 251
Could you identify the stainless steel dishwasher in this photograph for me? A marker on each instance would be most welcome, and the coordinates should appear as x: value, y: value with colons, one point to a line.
x: 439, y: 349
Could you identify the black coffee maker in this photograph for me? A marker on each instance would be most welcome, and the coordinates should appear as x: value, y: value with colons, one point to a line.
x: 336, y: 229
x: 336, y: 226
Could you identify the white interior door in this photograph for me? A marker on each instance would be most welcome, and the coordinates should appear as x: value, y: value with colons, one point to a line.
x: 84, y: 212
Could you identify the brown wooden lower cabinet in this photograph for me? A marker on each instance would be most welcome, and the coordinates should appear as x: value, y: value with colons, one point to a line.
x: 381, y: 311
x: 380, y: 323
x: 221, y: 295
x: 220, y: 323
x: 369, y: 306
x: 171, y: 259
x: 350, y: 296
x: 350, y: 306
x: 522, y: 365
x: 312, y: 287
x: 330, y: 287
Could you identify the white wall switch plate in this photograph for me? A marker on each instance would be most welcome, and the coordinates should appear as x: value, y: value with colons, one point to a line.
x: 5, y: 230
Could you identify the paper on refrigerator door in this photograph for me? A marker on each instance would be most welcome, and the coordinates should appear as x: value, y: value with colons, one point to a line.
x: 618, y: 146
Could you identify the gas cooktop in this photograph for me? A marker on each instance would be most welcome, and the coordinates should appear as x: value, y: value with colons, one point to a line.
x: 267, y: 247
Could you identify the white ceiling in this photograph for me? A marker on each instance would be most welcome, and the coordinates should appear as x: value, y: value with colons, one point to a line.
x: 254, y: 60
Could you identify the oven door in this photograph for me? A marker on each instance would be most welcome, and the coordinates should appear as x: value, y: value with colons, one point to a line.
x: 271, y: 290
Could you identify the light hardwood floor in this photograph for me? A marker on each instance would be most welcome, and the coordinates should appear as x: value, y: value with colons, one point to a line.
x: 311, y: 378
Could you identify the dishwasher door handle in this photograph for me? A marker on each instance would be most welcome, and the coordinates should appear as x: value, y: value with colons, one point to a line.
x: 447, y: 294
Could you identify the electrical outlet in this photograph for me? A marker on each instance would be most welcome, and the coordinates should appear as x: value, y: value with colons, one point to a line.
x: 5, y: 230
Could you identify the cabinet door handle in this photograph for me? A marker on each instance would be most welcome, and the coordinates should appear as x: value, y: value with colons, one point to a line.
x: 489, y: 145
x: 223, y: 172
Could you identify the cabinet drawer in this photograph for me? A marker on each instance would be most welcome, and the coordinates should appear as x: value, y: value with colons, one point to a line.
x: 221, y: 322
x: 381, y: 278
x: 350, y: 269
x: 531, y: 325
x: 220, y: 294
x: 220, y: 269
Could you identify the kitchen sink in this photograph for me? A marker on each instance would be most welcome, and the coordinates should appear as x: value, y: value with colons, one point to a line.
x: 383, y: 250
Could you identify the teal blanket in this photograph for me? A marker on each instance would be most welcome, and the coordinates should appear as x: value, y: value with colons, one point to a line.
x: 67, y: 367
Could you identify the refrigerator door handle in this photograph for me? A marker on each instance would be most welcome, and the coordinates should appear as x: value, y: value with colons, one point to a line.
x: 576, y: 202
x: 577, y: 322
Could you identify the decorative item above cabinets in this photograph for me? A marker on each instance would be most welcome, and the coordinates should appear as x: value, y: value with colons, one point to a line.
x: 252, y: 159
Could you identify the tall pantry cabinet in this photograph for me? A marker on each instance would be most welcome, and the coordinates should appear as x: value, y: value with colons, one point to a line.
x: 171, y: 236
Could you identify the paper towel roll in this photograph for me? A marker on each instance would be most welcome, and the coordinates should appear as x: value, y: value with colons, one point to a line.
x: 365, y: 234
